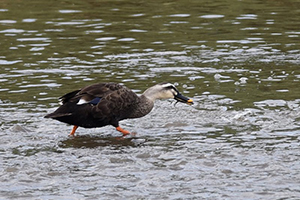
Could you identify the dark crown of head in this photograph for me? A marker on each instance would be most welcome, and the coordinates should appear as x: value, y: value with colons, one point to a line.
x: 169, y: 87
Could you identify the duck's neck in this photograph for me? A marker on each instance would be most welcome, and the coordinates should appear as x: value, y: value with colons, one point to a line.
x: 144, y: 106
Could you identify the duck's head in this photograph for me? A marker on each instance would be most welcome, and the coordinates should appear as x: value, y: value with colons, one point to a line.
x: 166, y: 91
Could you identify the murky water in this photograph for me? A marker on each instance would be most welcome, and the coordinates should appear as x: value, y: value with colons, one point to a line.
x: 238, y: 60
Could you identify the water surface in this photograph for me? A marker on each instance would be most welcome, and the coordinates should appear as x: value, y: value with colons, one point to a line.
x: 238, y: 60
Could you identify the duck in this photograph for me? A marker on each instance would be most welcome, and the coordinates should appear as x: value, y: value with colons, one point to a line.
x: 103, y: 104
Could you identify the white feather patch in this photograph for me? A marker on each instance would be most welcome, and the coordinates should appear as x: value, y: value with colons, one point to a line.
x: 82, y: 101
x: 167, y: 85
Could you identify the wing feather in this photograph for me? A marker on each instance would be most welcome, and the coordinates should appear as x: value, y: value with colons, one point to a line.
x: 89, y: 93
x: 107, y: 103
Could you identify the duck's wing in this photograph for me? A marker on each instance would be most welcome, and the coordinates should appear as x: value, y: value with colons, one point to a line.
x: 116, y: 104
x: 79, y: 100
x: 96, y: 105
x: 64, y: 99
x: 91, y: 94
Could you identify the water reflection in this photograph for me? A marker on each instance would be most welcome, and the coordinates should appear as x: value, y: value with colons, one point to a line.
x: 88, y: 141
x: 239, y: 60
x: 187, y: 45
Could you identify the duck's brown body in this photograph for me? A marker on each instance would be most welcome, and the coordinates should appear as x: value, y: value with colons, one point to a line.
x: 104, y: 104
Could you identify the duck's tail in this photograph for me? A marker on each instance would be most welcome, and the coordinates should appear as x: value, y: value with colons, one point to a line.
x: 57, y: 115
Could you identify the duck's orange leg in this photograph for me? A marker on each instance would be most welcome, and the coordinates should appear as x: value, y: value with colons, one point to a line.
x: 123, y: 131
x: 73, y: 131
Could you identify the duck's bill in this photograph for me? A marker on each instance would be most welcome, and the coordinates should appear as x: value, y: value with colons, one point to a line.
x: 180, y: 98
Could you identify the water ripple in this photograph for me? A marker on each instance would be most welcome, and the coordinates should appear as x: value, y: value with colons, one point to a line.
x: 239, y: 63
x: 6, y: 62
x: 212, y: 16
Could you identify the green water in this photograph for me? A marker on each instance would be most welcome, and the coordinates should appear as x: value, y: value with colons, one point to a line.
x: 238, y: 60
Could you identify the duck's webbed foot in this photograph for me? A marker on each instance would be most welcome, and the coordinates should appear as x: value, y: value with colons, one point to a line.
x: 124, y: 132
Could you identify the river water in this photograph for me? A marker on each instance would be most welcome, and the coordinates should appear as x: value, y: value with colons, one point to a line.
x: 238, y: 60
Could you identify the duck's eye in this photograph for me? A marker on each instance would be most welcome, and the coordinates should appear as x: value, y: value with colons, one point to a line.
x: 172, y: 88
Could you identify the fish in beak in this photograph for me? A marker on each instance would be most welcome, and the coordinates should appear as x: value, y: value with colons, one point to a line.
x: 180, y: 98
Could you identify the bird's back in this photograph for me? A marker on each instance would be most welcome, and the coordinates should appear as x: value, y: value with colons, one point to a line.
x: 96, y: 105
